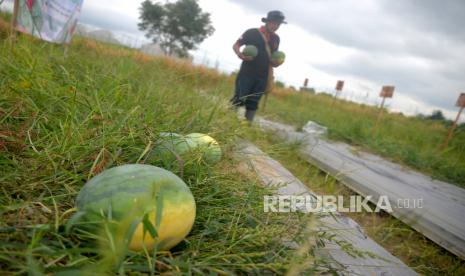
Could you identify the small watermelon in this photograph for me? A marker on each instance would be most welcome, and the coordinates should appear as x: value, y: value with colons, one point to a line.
x: 172, y: 142
x: 278, y: 57
x: 250, y: 51
x: 209, y: 147
x: 137, y: 193
x: 169, y: 148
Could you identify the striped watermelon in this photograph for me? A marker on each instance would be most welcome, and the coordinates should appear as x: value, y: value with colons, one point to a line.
x: 278, y: 57
x: 129, y: 193
x: 207, y: 146
x: 191, y: 149
x: 169, y: 149
x: 250, y: 51
x: 170, y: 144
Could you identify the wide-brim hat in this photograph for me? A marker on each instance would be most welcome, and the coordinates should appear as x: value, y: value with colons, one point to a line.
x: 276, y: 16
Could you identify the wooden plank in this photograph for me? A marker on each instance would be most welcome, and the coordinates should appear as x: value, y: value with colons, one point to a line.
x: 441, y: 217
x: 14, y: 17
x: 381, y: 262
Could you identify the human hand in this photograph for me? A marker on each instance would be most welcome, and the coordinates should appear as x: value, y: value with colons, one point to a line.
x: 276, y: 62
x: 244, y: 57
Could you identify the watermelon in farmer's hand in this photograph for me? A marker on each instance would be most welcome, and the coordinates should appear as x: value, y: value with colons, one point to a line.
x: 278, y: 57
x: 250, y: 51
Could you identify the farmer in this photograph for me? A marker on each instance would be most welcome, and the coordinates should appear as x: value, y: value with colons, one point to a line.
x: 255, y: 73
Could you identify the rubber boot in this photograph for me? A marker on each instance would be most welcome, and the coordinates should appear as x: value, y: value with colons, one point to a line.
x: 250, y: 114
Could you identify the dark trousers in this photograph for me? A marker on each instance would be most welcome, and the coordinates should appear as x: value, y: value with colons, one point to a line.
x: 248, y: 91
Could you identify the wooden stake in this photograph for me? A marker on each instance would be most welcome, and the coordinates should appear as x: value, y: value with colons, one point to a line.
x: 335, y: 97
x: 339, y: 86
x: 264, y: 101
x: 14, y: 17
x: 451, y: 131
x: 269, y: 86
x: 375, y: 129
x: 386, y: 92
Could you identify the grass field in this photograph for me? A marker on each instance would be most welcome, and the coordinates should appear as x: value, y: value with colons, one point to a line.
x: 65, y: 117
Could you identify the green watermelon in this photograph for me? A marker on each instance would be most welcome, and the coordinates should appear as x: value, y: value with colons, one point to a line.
x: 278, y: 56
x: 207, y: 146
x: 250, y: 51
x: 177, y: 152
x: 127, y: 194
x: 173, y: 142
x: 169, y: 148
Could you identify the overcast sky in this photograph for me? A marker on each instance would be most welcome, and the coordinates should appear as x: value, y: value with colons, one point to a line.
x: 416, y: 45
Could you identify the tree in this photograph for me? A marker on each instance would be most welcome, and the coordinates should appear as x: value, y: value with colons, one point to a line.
x: 436, y: 115
x: 177, y: 27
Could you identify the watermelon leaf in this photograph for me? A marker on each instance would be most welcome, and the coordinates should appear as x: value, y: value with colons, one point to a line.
x: 132, y: 228
x: 159, y: 208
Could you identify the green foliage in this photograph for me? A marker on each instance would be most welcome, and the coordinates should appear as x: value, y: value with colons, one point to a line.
x: 176, y: 26
x: 436, y: 115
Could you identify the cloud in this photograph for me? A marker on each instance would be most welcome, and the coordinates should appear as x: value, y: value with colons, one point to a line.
x: 443, y: 18
x: 373, y: 25
x: 112, y: 15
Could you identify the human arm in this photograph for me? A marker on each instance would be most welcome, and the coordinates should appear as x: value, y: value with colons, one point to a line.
x: 237, y: 51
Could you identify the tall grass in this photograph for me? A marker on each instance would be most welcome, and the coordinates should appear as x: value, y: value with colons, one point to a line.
x: 412, y: 141
x: 67, y: 116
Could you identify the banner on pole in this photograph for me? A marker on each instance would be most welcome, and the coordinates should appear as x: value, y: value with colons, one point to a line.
x: 461, y: 100
x: 387, y: 91
x: 50, y: 20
